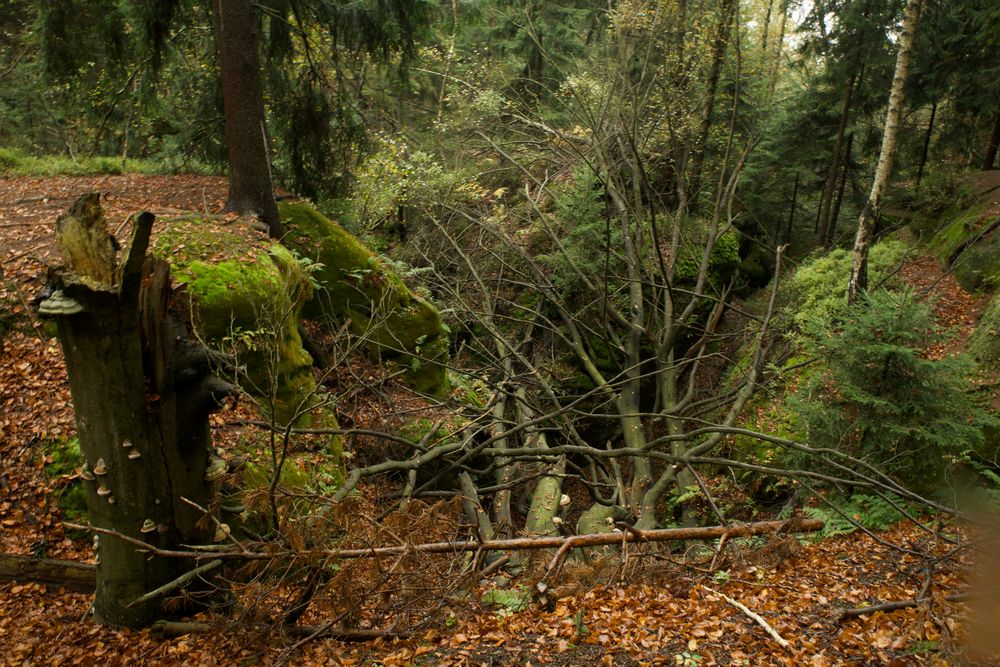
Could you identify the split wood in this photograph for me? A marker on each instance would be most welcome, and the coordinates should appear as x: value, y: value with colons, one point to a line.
x: 784, y: 643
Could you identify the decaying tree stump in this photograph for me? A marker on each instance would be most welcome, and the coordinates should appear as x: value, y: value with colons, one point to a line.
x: 142, y: 392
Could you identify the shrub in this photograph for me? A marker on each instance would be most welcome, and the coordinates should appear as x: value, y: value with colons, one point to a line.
x: 881, y: 399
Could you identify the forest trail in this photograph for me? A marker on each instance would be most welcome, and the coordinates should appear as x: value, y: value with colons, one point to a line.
x: 654, y: 611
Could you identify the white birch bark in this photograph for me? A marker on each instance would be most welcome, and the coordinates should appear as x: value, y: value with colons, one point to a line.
x: 866, y: 222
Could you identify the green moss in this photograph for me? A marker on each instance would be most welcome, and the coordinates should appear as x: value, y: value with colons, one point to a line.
x: 984, y: 344
x: 818, y: 289
x: 247, y: 293
x: 469, y: 390
x: 978, y: 267
x: 294, y: 476
x: 956, y: 226
x: 722, y: 263
x: 63, y: 459
x: 301, y: 478
x: 357, y: 287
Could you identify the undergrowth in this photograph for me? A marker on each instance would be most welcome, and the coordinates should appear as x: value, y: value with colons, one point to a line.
x: 842, y: 515
x: 14, y: 163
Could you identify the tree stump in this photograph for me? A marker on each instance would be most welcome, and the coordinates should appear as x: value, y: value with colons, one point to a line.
x: 142, y: 391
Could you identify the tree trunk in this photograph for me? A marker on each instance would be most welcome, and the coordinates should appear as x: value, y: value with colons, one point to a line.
x: 142, y: 392
x: 991, y: 150
x: 766, y: 28
x: 791, y: 213
x: 927, y: 143
x: 835, y: 216
x: 866, y: 222
x: 776, y: 60
x: 251, y: 190
x: 826, y: 206
x: 718, y: 58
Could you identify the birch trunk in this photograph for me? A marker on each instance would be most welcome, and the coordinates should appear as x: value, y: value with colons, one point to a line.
x: 866, y: 222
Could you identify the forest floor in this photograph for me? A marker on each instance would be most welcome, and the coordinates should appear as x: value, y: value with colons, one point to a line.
x: 660, y: 609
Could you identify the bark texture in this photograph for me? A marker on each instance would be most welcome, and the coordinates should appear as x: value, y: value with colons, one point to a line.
x: 825, y: 223
x: 67, y: 574
x: 142, y: 392
x: 251, y: 189
x: 866, y: 222
x: 994, y: 145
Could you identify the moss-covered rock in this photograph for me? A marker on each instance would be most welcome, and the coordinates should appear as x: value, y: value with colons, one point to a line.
x: 963, y: 242
x: 722, y: 263
x: 984, y: 344
x: 301, y: 478
x: 978, y: 266
x: 247, y: 293
x: 357, y: 287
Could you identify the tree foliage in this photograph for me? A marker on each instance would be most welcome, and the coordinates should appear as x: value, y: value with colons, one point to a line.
x: 882, y: 398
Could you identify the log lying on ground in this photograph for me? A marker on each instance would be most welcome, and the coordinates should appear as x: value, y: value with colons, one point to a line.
x: 72, y: 576
x: 516, y: 544
x: 179, y: 628
x: 844, y: 614
x: 592, y: 540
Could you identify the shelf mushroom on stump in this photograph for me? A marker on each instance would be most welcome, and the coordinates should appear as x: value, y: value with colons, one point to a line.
x: 142, y: 391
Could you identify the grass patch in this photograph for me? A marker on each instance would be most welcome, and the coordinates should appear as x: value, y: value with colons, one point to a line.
x: 14, y: 162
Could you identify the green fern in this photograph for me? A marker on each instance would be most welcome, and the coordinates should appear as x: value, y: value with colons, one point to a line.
x: 846, y: 514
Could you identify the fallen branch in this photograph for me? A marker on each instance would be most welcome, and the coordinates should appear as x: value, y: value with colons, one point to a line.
x: 178, y: 582
x: 515, y: 544
x: 897, y: 604
x: 71, y: 575
x: 784, y: 643
x: 179, y: 628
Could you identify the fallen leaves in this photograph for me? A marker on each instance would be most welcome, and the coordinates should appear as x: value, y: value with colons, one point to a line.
x: 656, y: 617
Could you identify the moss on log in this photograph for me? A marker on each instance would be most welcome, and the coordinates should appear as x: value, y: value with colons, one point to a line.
x: 358, y: 288
x: 248, y: 292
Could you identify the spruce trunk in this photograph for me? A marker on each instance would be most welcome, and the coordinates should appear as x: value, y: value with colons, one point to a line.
x: 994, y: 145
x: 251, y: 190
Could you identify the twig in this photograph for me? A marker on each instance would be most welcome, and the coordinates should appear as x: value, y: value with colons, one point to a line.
x: 319, y: 630
x: 784, y: 643
x: 718, y: 552
x: 177, y: 583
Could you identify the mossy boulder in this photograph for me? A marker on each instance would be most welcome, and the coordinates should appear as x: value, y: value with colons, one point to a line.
x: 301, y: 478
x: 358, y: 288
x: 978, y: 266
x: 984, y: 344
x: 247, y: 293
x: 722, y: 263
x: 965, y: 241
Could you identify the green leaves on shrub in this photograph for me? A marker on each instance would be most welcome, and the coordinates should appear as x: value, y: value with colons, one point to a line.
x: 872, y: 512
